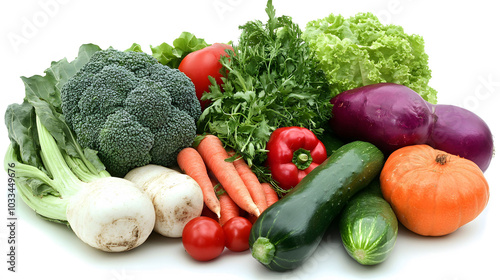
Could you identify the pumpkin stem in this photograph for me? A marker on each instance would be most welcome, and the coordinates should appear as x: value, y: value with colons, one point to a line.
x: 442, y: 159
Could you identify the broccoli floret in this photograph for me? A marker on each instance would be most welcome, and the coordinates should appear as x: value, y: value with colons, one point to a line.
x: 131, y: 109
x: 177, y: 88
x: 177, y: 132
x: 123, y: 135
x: 150, y: 102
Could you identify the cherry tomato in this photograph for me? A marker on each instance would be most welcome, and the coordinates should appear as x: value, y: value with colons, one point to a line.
x: 237, y: 233
x: 200, y: 64
x: 203, y: 238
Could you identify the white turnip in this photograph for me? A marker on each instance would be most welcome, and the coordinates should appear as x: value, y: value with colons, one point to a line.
x: 111, y: 214
x: 177, y: 198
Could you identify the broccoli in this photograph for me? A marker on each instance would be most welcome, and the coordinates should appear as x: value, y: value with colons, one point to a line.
x: 131, y: 109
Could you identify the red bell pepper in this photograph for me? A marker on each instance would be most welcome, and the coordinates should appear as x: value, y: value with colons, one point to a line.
x: 293, y: 153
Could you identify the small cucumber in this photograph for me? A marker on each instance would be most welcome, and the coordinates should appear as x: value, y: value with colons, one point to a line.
x: 289, y: 231
x: 368, y: 226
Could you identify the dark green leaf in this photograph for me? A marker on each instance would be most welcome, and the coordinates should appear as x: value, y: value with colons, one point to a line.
x: 21, y: 126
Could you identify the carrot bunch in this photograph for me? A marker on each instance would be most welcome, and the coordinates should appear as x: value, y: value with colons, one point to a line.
x: 230, y: 188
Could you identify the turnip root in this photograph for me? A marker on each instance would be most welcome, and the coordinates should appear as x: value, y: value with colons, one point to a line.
x: 111, y: 214
x: 176, y: 197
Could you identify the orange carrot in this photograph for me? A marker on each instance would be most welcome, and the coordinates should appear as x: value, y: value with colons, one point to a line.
x: 213, y: 153
x: 228, y: 209
x: 271, y: 195
x: 251, y: 182
x: 191, y: 163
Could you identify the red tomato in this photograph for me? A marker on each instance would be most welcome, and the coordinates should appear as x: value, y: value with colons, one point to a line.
x: 237, y: 233
x: 203, y: 238
x: 200, y: 64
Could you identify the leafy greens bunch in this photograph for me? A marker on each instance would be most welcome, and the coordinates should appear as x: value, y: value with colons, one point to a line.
x: 360, y: 50
x: 48, y: 175
x: 270, y: 81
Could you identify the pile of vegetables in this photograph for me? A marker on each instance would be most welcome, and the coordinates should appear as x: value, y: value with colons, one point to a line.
x: 258, y: 145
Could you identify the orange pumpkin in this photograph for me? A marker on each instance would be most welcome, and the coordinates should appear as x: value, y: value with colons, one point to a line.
x: 433, y: 193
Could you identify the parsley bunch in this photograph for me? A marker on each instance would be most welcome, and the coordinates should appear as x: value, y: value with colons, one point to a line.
x: 270, y: 81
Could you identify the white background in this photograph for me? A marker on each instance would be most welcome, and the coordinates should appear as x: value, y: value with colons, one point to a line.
x: 462, y: 42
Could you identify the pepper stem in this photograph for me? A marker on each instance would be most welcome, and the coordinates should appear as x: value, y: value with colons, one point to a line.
x: 263, y: 250
x: 302, y: 158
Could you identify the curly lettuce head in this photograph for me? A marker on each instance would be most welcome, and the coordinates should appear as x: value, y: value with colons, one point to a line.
x: 360, y: 50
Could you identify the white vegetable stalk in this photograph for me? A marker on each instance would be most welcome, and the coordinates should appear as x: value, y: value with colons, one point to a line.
x: 177, y: 198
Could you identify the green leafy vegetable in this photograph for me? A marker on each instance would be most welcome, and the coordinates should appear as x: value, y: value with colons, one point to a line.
x: 49, y: 164
x: 360, y: 50
x: 270, y: 81
x: 134, y: 48
x: 182, y: 46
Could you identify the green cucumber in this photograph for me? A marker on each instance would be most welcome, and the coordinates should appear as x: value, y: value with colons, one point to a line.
x: 290, y: 230
x: 368, y: 226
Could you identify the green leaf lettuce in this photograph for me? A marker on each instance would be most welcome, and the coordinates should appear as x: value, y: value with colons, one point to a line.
x: 360, y: 50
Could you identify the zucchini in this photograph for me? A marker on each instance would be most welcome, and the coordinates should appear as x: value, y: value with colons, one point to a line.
x: 368, y: 226
x: 290, y: 230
